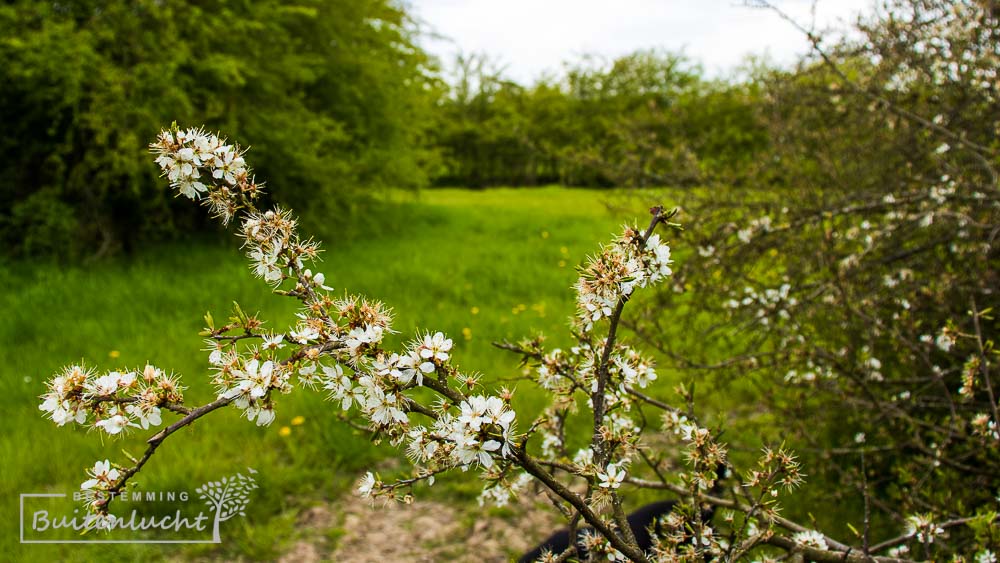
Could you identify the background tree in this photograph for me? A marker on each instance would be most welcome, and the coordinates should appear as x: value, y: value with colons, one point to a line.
x: 647, y: 118
x: 85, y: 83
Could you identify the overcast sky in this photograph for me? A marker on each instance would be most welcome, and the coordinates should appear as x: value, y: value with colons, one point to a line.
x: 533, y: 36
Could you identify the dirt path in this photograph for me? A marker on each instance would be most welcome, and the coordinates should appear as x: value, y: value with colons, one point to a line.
x: 353, y: 531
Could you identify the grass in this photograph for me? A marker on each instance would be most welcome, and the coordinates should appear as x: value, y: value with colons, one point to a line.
x: 480, y: 266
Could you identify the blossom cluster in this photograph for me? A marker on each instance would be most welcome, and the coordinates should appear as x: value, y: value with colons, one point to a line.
x: 471, y: 433
x: 114, y: 401
x: 811, y: 538
x: 200, y: 164
x: 613, y: 275
x: 768, y: 303
x: 564, y: 372
x: 251, y: 367
x: 483, y: 428
x: 277, y: 253
x: 753, y: 228
x: 923, y: 528
x: 681, y: 540
x: 250, y: 385
x: 501, y: 494
x: 480, y: 432
x: 599, y: 547
x: 602, y: 369
x: 103, y: 478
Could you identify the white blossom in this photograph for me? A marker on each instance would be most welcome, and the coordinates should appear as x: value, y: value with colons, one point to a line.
x: 435, y: 348
x: 265, y: 263
x: 421, y: 447
x: 411, y: 367
x: 101, y: 476
x: 660, y: 265
x: 811, y: 538
x: 945, y: 341
x: 146, y: 415
x: 382, y: 408
x: 361, y: 336
x: 366, y: 484
x: 341, y: 387
x: 923, y: 528
x: 304, y: 334
x: 612, y: 478
x: 583, y: 456
x: 254, y: 380
x: 114, y: 423
x: 273, y: 342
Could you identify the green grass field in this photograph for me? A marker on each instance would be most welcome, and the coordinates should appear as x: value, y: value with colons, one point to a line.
x: 480, y: 266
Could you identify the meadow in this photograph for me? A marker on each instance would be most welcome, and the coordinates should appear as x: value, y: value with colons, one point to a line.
x: 479, y: 265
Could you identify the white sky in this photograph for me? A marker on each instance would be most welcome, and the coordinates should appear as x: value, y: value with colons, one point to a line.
x: 530, y: 37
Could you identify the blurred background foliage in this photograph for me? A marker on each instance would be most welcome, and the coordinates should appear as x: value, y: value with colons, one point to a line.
x: 337, y: 100
x: 645, y: 119
x: 334, y: 97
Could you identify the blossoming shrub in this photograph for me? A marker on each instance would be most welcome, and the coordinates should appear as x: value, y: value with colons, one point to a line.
x: 854, y: 277
x: 417, y: 398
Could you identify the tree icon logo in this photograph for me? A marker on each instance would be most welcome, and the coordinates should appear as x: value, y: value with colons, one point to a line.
x: 228, y: 497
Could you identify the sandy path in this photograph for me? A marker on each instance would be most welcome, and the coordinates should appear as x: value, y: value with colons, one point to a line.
x: 424, y: 531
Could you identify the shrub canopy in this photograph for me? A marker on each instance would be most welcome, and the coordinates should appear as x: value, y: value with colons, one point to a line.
x: 332, y: 96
